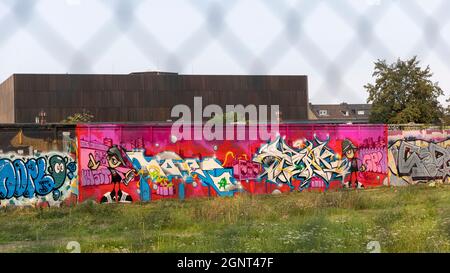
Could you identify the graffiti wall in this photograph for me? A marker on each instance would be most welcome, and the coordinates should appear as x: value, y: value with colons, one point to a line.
x: 419, y: 156
x: 127, y: 163
x: 47, y: 179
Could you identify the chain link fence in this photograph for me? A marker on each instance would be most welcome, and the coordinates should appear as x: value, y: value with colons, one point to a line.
x: 334, y: 42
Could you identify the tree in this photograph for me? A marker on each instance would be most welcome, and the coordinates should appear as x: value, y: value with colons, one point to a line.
x: 85, y: 116
x: 403, y: 92
x: 229, y: 118
x: 447, y: 113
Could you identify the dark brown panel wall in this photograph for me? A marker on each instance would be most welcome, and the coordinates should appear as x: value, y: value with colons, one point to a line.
x: 150, y: 97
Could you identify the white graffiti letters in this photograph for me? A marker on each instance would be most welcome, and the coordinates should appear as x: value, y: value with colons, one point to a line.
x: 282, y: 163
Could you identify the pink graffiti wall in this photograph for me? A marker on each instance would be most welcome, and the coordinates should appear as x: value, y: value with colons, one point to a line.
x: 127, y: 163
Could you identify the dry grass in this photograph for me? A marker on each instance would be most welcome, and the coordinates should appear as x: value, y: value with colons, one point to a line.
x: 413, y: 219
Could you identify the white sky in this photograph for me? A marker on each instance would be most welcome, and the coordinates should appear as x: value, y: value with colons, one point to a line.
x: 321, y: 39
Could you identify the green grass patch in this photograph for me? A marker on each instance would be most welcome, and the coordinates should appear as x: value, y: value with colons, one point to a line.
x: 409, y: 219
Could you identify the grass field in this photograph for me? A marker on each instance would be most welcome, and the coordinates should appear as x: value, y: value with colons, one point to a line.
x: 412, y: 219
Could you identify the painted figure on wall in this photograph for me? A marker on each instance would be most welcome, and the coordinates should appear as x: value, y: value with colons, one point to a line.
x: 57, y: 169
x: 349, y: 151
x: 119, y: 174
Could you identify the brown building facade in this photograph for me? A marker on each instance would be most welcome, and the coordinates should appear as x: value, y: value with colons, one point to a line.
x: 143, y: 97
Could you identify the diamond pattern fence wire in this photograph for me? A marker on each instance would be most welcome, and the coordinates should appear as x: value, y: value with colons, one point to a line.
x: 295, y: 34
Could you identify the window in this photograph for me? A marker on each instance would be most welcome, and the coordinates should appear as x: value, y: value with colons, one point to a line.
x: 345, y: 113
x: 361, y: 112
x: 323, y: 112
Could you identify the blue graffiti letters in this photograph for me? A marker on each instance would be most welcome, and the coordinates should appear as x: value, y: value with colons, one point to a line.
x: 31, y: 177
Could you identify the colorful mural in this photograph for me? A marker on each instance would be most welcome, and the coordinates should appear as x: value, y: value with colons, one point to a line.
x: 285, y: 164
x: 419, y: 156
x: 41, y: 180
x: 127, y: 163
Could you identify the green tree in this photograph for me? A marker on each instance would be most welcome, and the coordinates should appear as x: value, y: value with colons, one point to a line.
x: 229, y: 118
x: 403, y: 92
x: 447, y: 113
x: 83, y: 117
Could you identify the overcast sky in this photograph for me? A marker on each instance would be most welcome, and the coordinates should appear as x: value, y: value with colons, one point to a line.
x: 334, y: 42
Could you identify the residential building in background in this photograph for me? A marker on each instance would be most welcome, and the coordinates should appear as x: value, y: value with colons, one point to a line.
x: 340, y: 113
